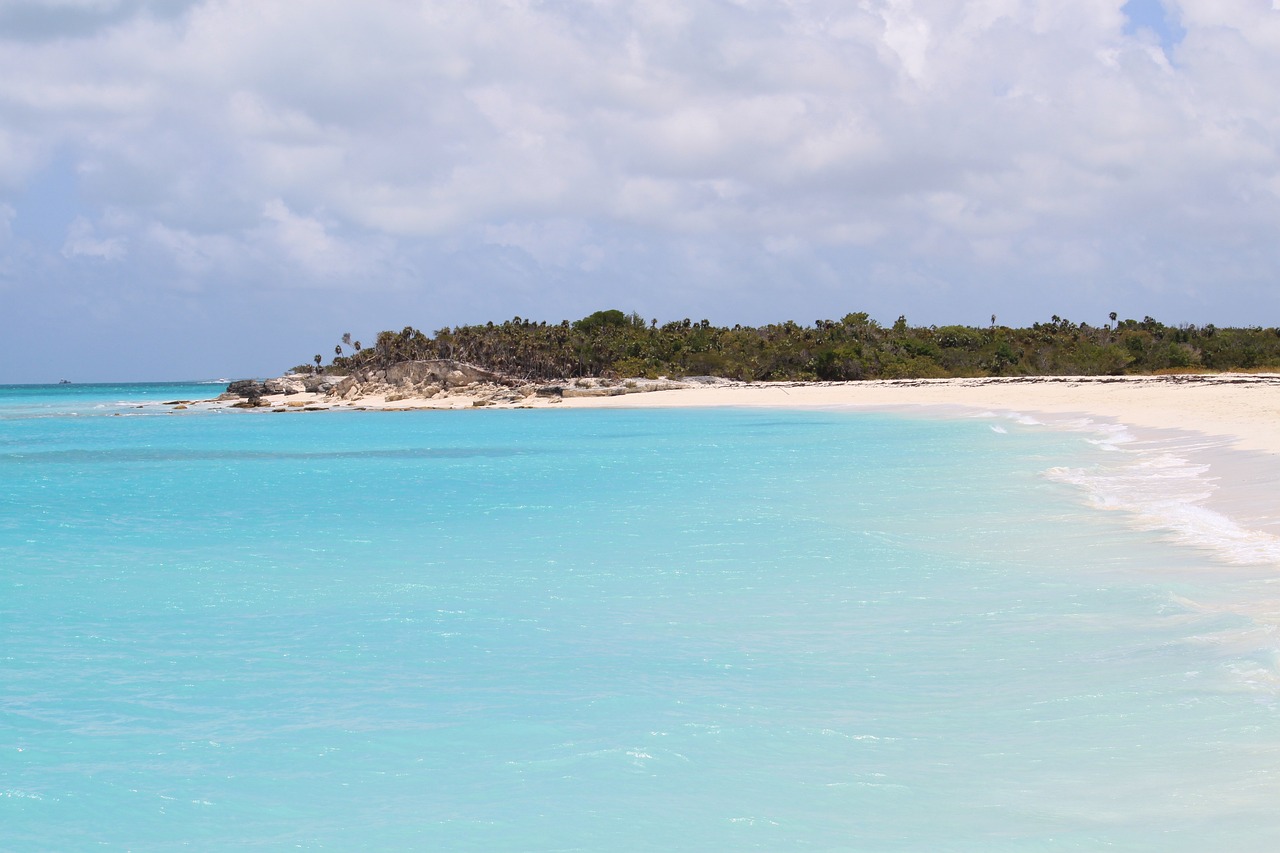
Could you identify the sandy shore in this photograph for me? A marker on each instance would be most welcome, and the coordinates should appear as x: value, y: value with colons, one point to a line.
x: 1222, y: 432
x: 1218, y: 435
x: 1242, y: 409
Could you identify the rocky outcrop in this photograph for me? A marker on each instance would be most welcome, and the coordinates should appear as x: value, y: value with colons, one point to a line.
x: 444, y: 380
x: 285, y: 385
x: 293, y: 383
x: 246, y: 388
x: 617, y: 387
x: 318, y: 383
x: 440, y: 371
x: 419, y: 379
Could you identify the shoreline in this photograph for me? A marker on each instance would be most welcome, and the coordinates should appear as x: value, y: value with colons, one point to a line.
x: 1206, y: 448
x: 1199, y: 458
x: 1243, y: 409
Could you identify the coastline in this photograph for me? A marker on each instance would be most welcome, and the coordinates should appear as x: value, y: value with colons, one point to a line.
x: 1244, y: 409
x: 1194, y: 457
x: 1197, y: 456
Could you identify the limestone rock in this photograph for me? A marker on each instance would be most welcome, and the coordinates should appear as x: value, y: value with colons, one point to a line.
x: 285, y: 385
x: 347, y: 389
x: 439, y: 371
x: 423, y: 379
x: 319, y: 383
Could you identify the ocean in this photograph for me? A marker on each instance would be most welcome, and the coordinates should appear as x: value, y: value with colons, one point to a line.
x: 708, y: 629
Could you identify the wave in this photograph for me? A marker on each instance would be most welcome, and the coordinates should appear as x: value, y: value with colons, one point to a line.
x: 1165, y: 485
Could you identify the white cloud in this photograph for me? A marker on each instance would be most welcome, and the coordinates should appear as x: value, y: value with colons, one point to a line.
x: 920, y: 140
x: 307, y: 243
x: 193, y: 255
x: 83, y: 241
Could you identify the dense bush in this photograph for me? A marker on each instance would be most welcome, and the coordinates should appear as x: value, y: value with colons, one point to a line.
x: 612, y: 343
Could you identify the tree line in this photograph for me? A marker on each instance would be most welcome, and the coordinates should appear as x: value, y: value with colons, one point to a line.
x: 612, y: 343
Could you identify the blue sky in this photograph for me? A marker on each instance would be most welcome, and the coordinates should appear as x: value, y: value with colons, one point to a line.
x: 1152, y: 16
x: 192, y: 189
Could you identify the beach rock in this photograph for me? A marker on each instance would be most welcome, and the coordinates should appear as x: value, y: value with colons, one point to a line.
x: 347, y: 389
x: 592, y: 392
x: 424, y: 379
x: 285, y: 385
x: 320, y: 383
x: 442, y: 379
x: 247, y: 388
x: 439, y: 371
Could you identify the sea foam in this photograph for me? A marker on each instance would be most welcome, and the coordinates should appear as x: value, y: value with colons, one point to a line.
x: 1166, y: 484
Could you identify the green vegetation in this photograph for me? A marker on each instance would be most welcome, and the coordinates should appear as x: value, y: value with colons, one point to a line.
x: 611, y: 343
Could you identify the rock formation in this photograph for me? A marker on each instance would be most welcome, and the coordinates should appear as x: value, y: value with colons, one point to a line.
x: 418, y: 379
x: 442, y: 378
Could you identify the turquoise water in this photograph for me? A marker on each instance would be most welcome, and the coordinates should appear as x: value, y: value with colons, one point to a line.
x: 615, y: 630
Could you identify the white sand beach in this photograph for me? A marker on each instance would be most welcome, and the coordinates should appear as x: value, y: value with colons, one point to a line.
x: 1243, y: 410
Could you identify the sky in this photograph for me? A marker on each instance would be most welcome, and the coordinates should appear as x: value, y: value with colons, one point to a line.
x: 194, y: 189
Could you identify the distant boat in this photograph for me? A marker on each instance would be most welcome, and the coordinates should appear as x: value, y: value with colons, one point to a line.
x: 64, y: 381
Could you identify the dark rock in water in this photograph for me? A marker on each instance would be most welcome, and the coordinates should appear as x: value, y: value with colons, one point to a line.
x: 248, y: 388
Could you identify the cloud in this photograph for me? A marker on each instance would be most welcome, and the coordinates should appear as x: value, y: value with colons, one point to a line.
x: 83, y: 241
x: 307, y: 244
x: 1025, y: 153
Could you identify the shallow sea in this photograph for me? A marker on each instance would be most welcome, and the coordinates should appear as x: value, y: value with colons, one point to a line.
x: 623, y: 630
